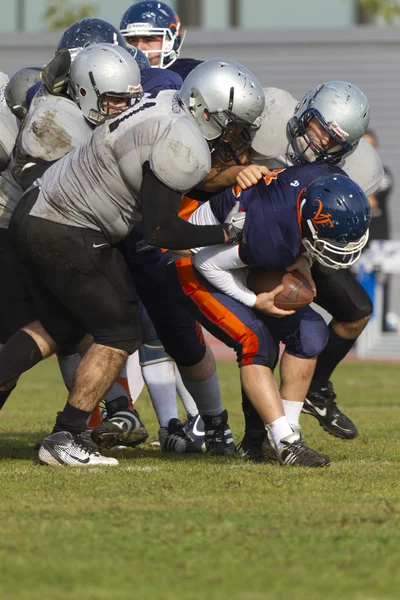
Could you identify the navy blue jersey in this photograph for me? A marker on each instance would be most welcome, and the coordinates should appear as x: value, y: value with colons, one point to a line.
x: 154, y: 80
x: 184, y: 66
x: 272, y: 235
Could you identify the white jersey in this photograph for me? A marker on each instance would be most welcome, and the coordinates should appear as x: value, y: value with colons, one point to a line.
x: 272, y: 147
x: 97, y: 186
x: 8, y: 126
x: 53, y: 126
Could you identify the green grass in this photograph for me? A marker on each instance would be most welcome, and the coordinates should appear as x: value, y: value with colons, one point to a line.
x: 167, y: 527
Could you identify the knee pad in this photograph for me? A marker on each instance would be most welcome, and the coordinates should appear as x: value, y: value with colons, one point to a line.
x: 310, y: 336
x: 152, y: 354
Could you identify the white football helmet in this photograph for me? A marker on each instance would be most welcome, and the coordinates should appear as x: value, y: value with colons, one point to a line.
x: 226, y: 101
x: 103, y: 71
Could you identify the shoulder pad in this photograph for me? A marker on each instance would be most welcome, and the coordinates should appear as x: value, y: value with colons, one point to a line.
x: 271, y: 139
x: 181, y: 158
x: 8, y: 134
x: 52, y: 128
x: 364, y: 166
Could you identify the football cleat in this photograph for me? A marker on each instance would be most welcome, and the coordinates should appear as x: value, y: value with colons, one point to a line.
x: 295, y: 452
x: 270, y: 452
x: 218, y: 435
x: 122, y: 427
x: 251, y: 446
x: 194, y: 429
x: 174, y: 438
x: 75, y: 450
x: 320, y: 403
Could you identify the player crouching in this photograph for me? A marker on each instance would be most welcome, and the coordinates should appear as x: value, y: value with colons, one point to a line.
x: 329, y: 218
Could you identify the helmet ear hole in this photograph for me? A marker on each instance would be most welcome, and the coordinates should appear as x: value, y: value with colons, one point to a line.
x: 206, y: 115
x: 82, y: 92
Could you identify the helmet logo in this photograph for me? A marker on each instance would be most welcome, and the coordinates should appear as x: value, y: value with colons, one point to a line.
x: 320, y: 218
x: 341, y: 134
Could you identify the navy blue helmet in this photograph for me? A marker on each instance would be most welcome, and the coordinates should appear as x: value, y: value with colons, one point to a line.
x: 89, y: 31
x: 140, y: 57
x: 152, y: 18
x: 335, y: 216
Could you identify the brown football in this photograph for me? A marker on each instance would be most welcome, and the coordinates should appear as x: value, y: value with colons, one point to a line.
x: 296, y: 294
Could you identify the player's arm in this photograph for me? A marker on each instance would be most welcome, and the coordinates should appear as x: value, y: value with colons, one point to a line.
x: 162, y: 225
x: 32, y: 170
x: 222, y: 176
x: 224, y: 269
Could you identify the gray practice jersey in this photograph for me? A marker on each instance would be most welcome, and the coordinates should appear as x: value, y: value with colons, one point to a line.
x: 8, y: 126
x: 53, y: 126
x: 97, y: 186
x: 272, y: 147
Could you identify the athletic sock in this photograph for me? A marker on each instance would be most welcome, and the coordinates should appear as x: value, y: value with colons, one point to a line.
x: 161, y: 384
x: 292, y: 411
x: 187, y: 400
x: 71, y: 419
x: 19, y: 354
x: 68, y: 364
x: 335, y: 350
x: 132, y: 373
x: 279, y: 429
x: 253, y: 421
x: 206, y: 394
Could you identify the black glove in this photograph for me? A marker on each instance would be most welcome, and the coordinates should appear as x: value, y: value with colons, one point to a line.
x: 55, y: 74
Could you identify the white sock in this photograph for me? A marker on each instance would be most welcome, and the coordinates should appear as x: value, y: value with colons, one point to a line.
x: 279, y: 429
x: 161, y: 384
x: 133, y: 372
x: 68, y: 364
x: 206, y: 394
x: 292, y: 411
x: 187, y: 400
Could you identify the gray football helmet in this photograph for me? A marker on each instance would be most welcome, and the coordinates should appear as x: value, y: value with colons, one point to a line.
x: 100, y: 72
x: 17, y: 87
x: 342, y: 109
x: 226, y: 101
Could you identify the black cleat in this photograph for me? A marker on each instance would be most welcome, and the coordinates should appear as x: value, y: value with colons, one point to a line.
x: 218, y: 435
x: 320, y: 403
x: 122, y: 427
x: 174, y: 439
x: 251, y: 446
x: 295, y: 452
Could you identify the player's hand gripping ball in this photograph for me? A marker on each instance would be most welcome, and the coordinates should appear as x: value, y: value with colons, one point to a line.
x: 297, y: 292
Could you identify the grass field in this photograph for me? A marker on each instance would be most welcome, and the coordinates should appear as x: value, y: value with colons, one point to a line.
x: 166, y: 527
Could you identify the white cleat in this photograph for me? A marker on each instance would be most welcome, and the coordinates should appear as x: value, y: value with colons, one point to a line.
x: 62, y: 448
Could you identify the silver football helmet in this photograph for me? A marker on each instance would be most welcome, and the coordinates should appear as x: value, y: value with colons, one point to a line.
x: 17, y: 87
x: 226, y: 101
x: 342, y: 110
x: 101, y: 73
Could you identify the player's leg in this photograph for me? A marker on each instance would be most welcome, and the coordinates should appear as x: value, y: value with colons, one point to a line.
x: 147, y: 267
x: 16, y: 307
x: 304, y: 335
x: 240, y: 328
x: 87, y: 290
x: 342, y: 296
x: 181, y: 337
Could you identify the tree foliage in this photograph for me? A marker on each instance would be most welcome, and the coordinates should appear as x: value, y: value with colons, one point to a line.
x: 368, y: 10
x: 60, y: 14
